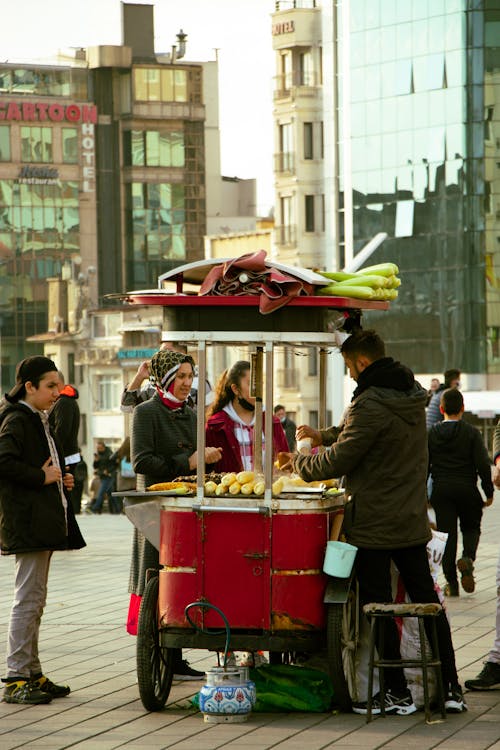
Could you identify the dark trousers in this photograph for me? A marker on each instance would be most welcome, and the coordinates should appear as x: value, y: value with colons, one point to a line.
x: 454, y: 503
x: 373, y: 569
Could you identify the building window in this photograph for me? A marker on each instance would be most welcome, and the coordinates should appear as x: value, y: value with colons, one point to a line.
x: 312, y: 363
x: 308, y: 141
x: 287, y: 151
x: 155, y: 84
x: 306, y: 77
x: 4, y: 143
x: 309, y: 213
x: 321, y: 140
x: 154, y: 148
x: 156, y: 228
x: 105, y: 326
x: 109, y: 388
x: 36, y: 144
x: 313, y: 420
x: 69, y: 145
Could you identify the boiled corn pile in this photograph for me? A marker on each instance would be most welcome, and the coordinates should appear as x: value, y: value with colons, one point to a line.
x: 243, y: 483
x: 379, y: 282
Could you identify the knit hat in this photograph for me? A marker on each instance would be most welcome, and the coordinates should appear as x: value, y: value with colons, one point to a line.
x: 164, y: 366
x: 31, y: 368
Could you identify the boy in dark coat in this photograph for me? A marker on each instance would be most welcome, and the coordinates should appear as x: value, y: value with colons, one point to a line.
x: 35, y: 520
x: 457, y: 455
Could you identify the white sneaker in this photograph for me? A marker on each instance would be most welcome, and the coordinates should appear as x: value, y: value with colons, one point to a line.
x: 253, y: 659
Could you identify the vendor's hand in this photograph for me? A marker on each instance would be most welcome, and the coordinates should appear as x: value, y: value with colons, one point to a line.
x: 496, y: 476
x: 68, y: 481
x: 285, y: 461
x: 52, y: 473
x: 489, y: 501
x: 304, y: 431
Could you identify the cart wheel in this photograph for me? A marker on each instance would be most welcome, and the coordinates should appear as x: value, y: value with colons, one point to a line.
x: 342, y: 632
x: 154, y: 662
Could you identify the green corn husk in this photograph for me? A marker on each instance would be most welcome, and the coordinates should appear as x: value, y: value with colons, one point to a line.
x: 384, y: 269
x: 339, y: 275
x: 364, y: 280
x: 337, y: 290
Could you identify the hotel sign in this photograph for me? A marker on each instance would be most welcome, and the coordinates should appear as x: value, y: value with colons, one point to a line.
x: 46, y: 111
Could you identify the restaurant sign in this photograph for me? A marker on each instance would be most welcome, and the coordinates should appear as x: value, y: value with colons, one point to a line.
x: 38, y: 176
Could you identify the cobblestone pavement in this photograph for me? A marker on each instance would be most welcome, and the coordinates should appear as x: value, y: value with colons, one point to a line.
x: 84, y: 643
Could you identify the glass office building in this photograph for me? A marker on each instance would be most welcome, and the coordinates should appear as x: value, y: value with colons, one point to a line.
x: 419, y: 143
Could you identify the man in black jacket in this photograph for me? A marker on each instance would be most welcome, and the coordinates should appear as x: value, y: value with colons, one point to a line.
x: 457, y: 455
x: 381, y: 449
x: 105, y: 465
x: 65, y: 421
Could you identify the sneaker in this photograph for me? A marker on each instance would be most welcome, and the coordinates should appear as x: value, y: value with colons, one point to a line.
x: 454, y: 701
x: 487, y: 679
x: 182, y: 671
x: 451, y: 589
x: 253, y: 659
x: 47, y: 686
x: 466, y: 569
x: 24, y: 691
x: 399, y: 704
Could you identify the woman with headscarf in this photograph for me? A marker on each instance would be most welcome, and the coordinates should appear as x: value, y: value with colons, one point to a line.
x: 230, y: 425
x: 163, y: 447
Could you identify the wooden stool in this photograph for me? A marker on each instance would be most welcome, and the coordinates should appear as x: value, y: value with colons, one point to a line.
x: 376, y: 613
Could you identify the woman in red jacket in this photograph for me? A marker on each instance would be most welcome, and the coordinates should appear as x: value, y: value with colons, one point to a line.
x: 231, y: 424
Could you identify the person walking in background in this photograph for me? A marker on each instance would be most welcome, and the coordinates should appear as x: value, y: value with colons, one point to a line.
x: 163, y: 447
x: 381, y: 449
x: 489, y: 676
x: 457, y: 455
x: 288, y: 425
x: 433, y: 413
x: 125, y: 474
x: 106, y: 470
x: 35, y: 520
x: 433, y: 388
x: 231, y: 421
x: 65, y: 422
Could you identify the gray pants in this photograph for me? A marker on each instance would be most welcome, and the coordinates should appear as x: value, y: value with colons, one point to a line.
x: 30, y: 595
x: 495, y: 653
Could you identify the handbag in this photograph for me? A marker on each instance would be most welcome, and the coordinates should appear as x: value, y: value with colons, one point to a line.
x: 126, y: 470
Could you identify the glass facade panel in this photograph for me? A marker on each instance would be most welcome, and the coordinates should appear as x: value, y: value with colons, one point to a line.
x: 4, y: 143
x: 36, y: 144
x: 418, y: 147
x: 157, y: 218
x: 69, y: 138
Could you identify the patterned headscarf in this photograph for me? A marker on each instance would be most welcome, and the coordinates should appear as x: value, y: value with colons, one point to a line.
x: 164, y: 366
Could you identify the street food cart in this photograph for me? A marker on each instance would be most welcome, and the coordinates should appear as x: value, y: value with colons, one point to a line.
x: 259, y: 560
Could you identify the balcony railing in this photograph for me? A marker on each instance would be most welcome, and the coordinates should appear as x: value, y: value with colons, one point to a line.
x: 291, y: 4
x: 305, y: 84
x: 285, y: 235
x: 288, y: 378
x: 284, y: 162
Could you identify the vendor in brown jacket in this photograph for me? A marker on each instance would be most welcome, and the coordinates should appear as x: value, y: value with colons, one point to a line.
x: 381, y: 448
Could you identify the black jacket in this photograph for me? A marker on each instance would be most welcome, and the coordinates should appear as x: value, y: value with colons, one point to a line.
x: 65, y: 420
x: 32, y: 515
x: 381, y: 448
x: 104, y: 463
x: 457, y: 455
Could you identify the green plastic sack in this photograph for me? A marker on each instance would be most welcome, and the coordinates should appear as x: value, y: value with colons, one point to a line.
x: 287, y: 687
